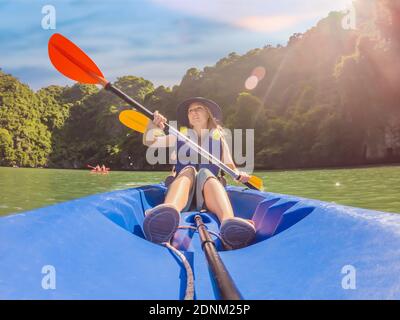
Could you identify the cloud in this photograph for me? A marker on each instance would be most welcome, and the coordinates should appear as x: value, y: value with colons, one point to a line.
x: 156, y: 39
x: 268, y: 23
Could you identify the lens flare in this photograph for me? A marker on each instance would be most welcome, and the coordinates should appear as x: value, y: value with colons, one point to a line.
x: 251, y: 82
x: 256, y: 76
x: 259, y: 72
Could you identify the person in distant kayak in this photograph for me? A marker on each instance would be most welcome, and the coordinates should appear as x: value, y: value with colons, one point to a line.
x: 196, y: 182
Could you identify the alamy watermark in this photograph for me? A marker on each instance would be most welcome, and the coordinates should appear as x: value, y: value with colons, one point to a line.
x: 49, y: 18
x: 349, y: 21
x: 349, y: 280
x: 49, y: 278
x: 239, y: 143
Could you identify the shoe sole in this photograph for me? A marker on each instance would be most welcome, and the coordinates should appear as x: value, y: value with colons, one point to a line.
x: 238, y: 234
x: 160, y: 225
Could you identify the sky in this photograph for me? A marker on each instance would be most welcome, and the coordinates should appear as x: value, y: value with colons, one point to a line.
x: 154, y: 39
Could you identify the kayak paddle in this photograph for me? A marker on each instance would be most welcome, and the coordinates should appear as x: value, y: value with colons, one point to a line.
x: 73, y: 63
x: 138, y: 122
x: 225, y: 286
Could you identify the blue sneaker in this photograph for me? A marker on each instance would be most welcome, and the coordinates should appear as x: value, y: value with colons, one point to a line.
x: 237, y: 232
x: 160, y: 223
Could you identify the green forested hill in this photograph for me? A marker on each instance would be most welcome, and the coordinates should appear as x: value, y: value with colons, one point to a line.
x: 329, y: 97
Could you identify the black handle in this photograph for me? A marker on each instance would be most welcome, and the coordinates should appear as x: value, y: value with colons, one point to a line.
x: 226, y: 287
x: 129, y: 100
x: 248, y: 185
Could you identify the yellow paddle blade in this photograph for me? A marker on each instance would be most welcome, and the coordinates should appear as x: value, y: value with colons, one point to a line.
x: 134, y: 119
x: 256, y: 182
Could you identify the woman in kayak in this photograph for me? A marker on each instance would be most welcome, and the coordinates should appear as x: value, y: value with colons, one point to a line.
x: 196, y: 179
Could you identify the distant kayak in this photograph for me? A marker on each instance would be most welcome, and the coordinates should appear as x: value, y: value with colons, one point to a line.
x: 99, y: 169
x: 100, y: 172
x: 304, y: 249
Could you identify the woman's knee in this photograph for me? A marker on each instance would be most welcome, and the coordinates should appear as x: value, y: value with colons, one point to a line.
x: 205, y: 177
x: 204, y: 174
x: 189, y: 172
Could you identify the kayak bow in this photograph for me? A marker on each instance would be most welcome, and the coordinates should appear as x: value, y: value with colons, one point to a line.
x: 304, y: 249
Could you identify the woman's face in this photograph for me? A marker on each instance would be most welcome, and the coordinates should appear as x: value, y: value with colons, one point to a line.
x: 198, y: 115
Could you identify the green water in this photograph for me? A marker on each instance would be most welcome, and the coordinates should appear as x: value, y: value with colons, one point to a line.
x: 374, y: 188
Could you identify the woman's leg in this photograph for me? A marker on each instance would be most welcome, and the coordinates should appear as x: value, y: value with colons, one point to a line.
x: 161, y: 221
x: 236, y: 232
x: 216, y: 199
x: 179, y: 190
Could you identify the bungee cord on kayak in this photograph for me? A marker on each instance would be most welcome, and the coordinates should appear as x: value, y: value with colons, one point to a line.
x: 225, y: 245
x: 189, y: 291
x: 228, y: 289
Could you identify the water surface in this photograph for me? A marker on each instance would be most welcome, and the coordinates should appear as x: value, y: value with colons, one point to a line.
x: 373, y: 188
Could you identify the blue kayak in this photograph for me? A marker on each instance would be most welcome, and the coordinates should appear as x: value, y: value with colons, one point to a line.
x: 95, y: 248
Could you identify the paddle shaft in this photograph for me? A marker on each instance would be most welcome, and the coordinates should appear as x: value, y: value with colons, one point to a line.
x: 226, y: 287
x: 176, y: 132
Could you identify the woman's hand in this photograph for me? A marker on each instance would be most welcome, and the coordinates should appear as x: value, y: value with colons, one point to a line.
x: 243, y: 177
x: 159, y: 120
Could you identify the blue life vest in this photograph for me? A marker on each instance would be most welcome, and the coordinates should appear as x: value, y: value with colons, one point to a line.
x: 212, y: 143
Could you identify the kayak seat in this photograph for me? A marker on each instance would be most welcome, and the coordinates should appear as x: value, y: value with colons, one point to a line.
x: 244, y: 202
x: 272, y: 217
x: 268, y: 217
x: 271, y: 213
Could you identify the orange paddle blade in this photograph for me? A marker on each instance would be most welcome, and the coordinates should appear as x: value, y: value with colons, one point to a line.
x: 72, y: 62
x: 256, y: 182
x: 135, y: 120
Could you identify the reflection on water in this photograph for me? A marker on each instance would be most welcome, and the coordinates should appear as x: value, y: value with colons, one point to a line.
x: 374, y: 188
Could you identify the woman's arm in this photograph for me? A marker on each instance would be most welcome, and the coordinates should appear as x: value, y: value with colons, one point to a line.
x: 227, y: 159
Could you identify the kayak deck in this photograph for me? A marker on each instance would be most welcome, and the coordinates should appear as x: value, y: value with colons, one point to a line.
x: 97, y: 248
